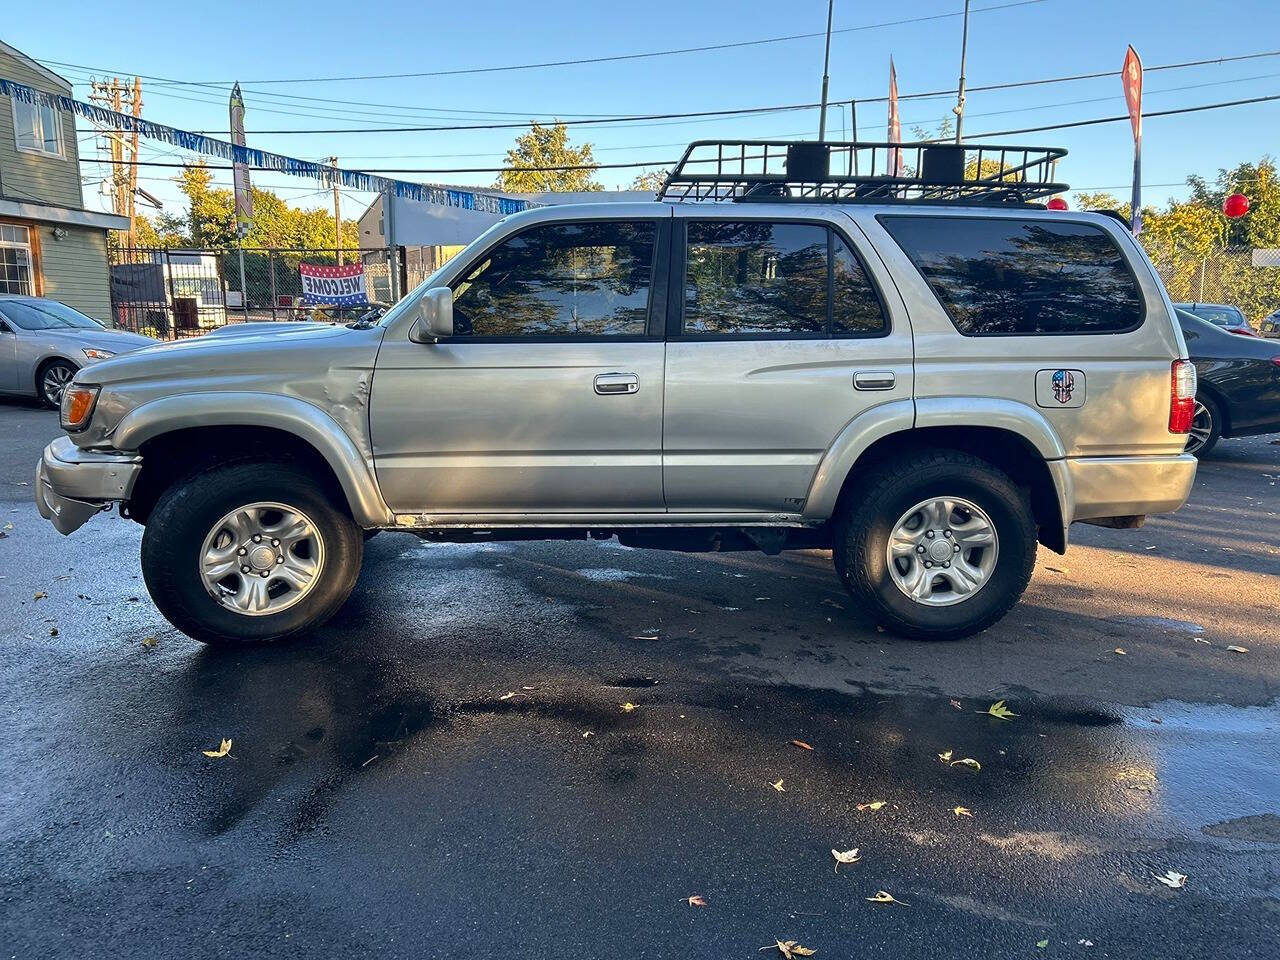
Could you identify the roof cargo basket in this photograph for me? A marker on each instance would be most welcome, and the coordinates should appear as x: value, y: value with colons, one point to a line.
x: 833, y: 172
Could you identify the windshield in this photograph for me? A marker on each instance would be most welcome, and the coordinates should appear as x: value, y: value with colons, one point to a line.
x: 45, y: 315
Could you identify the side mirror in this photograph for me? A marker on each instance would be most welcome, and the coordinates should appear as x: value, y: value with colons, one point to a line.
x: 435, y: 315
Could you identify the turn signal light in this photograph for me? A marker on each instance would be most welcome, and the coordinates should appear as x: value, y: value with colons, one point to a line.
x: 77, y: 406
x: 1182, y: 396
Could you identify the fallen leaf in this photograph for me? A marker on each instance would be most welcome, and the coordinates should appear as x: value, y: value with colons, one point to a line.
x: 874, y: 805
x: 884, y: 896
x: 1089, y: 943
x: 967, y: 762
x: 149, y: 641
x: 801, y: 744
x: 508, y: 695
x: 222, y: 751
x: 778, y: 786
x: 1207, y: 643
x: 1173, y: 879
x: 789, y: 949
x: 1234, y: 649
x: 962, y: 811
x: 40, y: 595
x: 8, y: 526
x: 1042, y: 944
x: 846, y: 856
x: 957, y: 704
x: 628, y: 707
x: 999, y: 710
x: 1119, y: 651
x: 695, y: 901
x: 587, y: 733
x: 945, y: 757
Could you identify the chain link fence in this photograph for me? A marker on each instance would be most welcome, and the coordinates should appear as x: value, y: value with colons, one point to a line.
x: 1244, y: 277
x: 171, y: 294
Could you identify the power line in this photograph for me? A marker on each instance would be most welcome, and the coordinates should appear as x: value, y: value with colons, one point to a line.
x: 705, y: 48
x: 662, y: 163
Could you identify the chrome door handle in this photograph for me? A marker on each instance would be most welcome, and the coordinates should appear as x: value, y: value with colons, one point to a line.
x: 874, y: 380
x: 608, y: 384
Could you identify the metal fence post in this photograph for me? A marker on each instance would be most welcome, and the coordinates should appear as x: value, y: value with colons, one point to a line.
x: 171, y: 308
x: 271, y: 265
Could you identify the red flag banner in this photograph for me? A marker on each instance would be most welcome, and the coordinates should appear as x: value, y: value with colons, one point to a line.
x: 322, y: 283
x: 1131, y: 76
x: 895, y: 125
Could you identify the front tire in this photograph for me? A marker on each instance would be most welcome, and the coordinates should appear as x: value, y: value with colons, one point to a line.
x: 52, y: 381
x: 249, y: 552
x: 938, y: 545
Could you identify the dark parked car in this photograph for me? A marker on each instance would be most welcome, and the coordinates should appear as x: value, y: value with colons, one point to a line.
x: 1270, y: 326
x: 1239, y: 384
x: 1221, y: 315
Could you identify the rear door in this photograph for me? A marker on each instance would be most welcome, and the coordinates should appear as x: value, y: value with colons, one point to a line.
x: 780, y: 333
x: 548, y: 398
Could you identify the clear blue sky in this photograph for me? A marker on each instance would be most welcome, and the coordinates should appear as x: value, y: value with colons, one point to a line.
x: 265, y: 41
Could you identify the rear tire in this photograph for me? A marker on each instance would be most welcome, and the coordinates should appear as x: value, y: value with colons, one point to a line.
x: 1206, y: 427
x: 930, y: 504
x: 249, y: 552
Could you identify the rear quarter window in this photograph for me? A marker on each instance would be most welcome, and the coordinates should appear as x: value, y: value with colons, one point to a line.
x: 1003, y: 276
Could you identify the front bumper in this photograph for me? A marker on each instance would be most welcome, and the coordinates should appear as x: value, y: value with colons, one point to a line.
x: 1127, y: 486
x: 73, y: 484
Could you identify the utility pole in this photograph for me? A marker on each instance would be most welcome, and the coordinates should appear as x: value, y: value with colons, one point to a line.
x: 964, y: 49
x: 826, y: 66
x: 337, y: 211
x: 122, y: 145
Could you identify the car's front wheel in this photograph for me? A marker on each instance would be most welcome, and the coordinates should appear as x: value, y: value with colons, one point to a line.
x: 938, y: 544
x: 249, y: 552
x: 52, y: 381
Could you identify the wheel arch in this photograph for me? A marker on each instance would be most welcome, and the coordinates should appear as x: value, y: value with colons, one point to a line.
x: 44, y: 363
x: 173, y: 432
x: 1015, y: 443
x: 1220, y: 401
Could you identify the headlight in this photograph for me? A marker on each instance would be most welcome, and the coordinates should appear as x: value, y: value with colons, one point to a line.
x: 77, y: 406
x: 95, y: 354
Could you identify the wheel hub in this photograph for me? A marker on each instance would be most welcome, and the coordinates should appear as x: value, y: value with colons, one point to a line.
x: 942, y: 551
x: 262, y: 558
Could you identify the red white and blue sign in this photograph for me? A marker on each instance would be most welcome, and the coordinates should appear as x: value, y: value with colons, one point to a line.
x: 341, y: 286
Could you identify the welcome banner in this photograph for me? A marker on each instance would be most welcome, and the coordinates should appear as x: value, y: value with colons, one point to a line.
x: 341, y: 286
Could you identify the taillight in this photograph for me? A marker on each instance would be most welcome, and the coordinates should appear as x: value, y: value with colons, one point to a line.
x: 1182, y: 396
x: 1276, y: 361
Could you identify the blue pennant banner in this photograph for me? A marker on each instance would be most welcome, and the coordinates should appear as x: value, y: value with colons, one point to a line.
x: 262, y: 160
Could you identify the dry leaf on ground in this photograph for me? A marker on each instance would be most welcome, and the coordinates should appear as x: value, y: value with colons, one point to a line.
x: 222, y: 751
x: 1119, y: 651
x: 957, y: 704
x: 945, y: 757
x: 1173, y: 879
x: 884, y: 896
x: 1234, y: 649
x: 694, y: 901
x: 962, y: 811
x: 40, y: 595
x: 999, y: 710
x: 967, y: 762
x: 845, y: 856
x: 778, y: 786
x: 628, y: 707
x: 874, y: 805
x: 801, y: 744
x: 789, y: 949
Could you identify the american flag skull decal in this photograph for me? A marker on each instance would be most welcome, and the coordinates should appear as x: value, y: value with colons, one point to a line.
x: 1064, y: 384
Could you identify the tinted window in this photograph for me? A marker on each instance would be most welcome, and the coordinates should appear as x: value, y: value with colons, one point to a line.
x: 774, y: 279
x: 999, y: 276
x: 565, y: 279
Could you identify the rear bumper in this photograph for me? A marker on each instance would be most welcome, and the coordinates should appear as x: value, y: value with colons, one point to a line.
x: 1127, y: 486
x: 73, y: 484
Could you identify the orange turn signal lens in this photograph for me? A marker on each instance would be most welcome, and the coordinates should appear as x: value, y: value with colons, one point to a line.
x: 77, y: 406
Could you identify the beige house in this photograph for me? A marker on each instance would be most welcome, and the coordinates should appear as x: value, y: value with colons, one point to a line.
x: 50, y: 245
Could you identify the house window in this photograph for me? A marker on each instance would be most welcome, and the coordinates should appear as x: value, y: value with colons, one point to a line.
x: 15, y: 260
x: 37, y: 127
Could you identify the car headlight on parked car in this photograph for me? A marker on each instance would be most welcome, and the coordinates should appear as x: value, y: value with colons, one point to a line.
x: 95, y: 354
x: 77, y: 405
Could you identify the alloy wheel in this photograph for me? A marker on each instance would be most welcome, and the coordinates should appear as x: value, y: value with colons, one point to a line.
x: 1201, y: 428
x: 54, y: 382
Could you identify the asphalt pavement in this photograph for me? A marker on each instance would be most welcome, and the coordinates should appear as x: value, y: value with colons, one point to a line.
x: 544, y: 749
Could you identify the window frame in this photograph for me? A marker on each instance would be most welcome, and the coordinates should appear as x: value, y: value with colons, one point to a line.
x: 39, y: 151
x: 676, y: 284
x: 657, y: 284
x: 32, y: 247
x: 1075, y: 221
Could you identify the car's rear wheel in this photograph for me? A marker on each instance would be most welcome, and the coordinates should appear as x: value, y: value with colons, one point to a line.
x: 937, y: 545
x: 1206, y: 427
x: 52, y: 381
x: 249, y: 552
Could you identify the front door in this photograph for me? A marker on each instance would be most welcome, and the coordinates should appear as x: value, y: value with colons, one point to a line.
x: 548, y: 398
x: 781, y: 337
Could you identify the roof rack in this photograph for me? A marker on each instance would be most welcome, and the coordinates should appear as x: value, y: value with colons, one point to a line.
x: 847, y: 172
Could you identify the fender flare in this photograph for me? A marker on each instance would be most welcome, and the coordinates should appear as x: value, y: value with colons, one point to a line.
x: 862, y: 431
x: 303, y: 420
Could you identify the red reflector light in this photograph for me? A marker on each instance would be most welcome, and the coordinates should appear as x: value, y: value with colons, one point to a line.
x: 1182, y: 396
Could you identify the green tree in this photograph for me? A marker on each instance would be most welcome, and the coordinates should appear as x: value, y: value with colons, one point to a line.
x: 651, y: 181
x: 544, y: 147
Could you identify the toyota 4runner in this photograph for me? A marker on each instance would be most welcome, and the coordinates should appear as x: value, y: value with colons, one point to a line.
x: 925, y: 371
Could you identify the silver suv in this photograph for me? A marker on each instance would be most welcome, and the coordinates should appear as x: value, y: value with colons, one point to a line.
x: 927, y: 373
